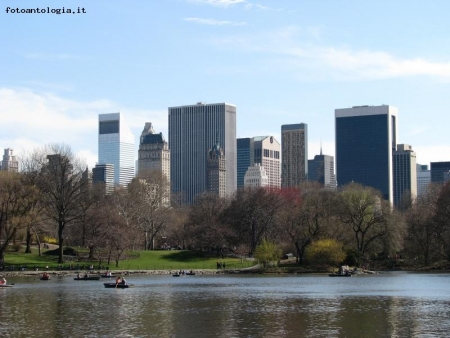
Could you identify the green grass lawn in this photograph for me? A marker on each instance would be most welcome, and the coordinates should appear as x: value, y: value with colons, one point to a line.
x: 147, y: 260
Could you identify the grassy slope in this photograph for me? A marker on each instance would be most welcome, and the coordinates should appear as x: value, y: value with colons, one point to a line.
x: 148, y: 260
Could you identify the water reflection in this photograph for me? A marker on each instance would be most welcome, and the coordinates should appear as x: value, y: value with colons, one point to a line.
x: 391, y: 305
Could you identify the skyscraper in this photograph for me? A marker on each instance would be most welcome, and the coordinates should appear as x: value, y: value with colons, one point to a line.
x: 104, y: 174
x: 423, y: 179
x: 405, y: 173
x: 264, y: 150
x: 216, y: 172
x: 366, y: 138
x: 437, y: 171
x: 153, y: 152
x: 294, y: 149
x: 321, y: 169
x: 267, y: 153
x: 245, y: 158
x: 116, y: 146
x: 10, y: 162
x: 256, y: 176
x: 192, y: 131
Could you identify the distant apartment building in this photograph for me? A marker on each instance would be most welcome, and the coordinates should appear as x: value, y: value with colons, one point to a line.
x: 294, y: 149
x: 192, y: 131
x: 9, y: 162
x: 216, y: 170
x: 256, y: 176
x: 104, y: 174
x: 153, y: 152
x: 116, y: 146
x: 423, y: 179
x: 405, y: 173
x: 438, y: 170
x: 321, y: 169
x: 366, y: 138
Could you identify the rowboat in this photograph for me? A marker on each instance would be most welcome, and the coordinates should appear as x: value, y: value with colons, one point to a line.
x: 88, y: 278
x: 340, y: 275
x: 106, y: 276
x: 6, y: 285
x: 118, y: 286
x: 44, y: 278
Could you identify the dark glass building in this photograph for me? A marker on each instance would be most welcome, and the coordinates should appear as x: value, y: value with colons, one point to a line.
x: 365, y: 142
x: 245, y: 158
x: 321, y: 169
x: 437, y: 171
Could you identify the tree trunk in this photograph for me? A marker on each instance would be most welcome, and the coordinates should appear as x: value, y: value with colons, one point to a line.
x: 28, y: 241
x: 60, y: 241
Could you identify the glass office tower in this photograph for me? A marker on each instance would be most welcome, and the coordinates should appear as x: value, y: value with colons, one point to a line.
x: 116, y: 146
x: 365, y: 142
x: 245, y: 158
x: 193, y: 130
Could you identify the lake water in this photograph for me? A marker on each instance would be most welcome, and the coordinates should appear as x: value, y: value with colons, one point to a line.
x: 384, y: 305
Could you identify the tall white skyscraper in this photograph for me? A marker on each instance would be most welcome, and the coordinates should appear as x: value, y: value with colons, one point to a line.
x: 116, y: 146
x: 192, y: 131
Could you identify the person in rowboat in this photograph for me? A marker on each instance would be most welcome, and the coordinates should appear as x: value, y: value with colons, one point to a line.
x: 3, y: 281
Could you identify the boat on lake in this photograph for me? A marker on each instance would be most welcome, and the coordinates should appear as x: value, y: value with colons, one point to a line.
x: 340, y: 275
x: 6, y: 285
x: 45, y: 276
x: 87, y: 278
x: 116, y: 286
x: 108, y: 276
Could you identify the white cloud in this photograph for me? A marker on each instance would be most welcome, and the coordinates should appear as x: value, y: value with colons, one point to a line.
x: 214, y: 22
x: 299, y: 49
x: 31, y: 119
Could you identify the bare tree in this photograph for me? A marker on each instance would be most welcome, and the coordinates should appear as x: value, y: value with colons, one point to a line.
x: 251, y: 215
x: 364, y: 211
x: 422, y: 240
x: 17, y: 202
x: 305, y: 215
x: 205, y: 222
x: 151, y: 193
x: 59, y: 178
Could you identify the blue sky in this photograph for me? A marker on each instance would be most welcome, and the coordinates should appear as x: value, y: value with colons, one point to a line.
x: 278, y: 61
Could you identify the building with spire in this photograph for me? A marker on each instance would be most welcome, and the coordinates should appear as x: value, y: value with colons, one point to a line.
x: 321, y: 169
x: 216, y: 171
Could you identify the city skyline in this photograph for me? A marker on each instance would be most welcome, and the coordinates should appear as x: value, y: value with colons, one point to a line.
x: 279, y: 62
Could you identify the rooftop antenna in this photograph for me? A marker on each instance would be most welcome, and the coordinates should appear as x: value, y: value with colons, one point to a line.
x: 320, y: 147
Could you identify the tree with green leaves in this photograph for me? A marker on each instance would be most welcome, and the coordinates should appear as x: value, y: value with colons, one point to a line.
x: 325, y: 252
x: 267, y: 252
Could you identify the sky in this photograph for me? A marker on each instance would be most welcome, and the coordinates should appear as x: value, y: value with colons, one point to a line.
x: 278, y: 61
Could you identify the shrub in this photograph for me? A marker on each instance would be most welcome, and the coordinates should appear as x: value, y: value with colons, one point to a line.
x: 267, y: 252
x: 325, y: 252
